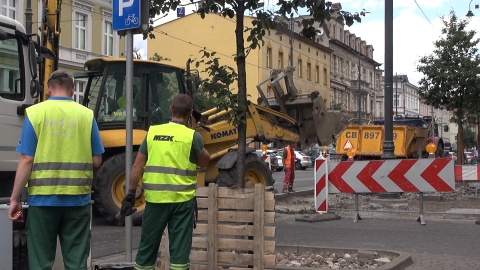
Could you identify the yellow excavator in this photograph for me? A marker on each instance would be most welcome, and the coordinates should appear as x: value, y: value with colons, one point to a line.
x: 285, y: 117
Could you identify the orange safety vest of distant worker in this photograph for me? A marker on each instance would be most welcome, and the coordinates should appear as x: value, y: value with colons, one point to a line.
x: 288, y: 160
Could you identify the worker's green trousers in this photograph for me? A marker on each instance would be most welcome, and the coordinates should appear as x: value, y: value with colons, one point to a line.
x: 179, y: 218
x: 71, y: 224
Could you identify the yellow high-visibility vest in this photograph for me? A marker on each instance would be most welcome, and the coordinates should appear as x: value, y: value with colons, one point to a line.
x: 63, y: 163
x: 169, y: 174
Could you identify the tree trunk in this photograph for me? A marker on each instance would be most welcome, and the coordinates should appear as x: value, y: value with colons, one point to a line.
x: 242, y: 94
x: 460, y: 147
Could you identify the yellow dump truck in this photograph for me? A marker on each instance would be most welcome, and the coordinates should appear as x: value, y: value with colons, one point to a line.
x: 410, y: 137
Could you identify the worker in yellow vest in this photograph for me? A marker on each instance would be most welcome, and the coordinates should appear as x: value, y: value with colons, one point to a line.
x: 59, y: 146
x: 170, y: 155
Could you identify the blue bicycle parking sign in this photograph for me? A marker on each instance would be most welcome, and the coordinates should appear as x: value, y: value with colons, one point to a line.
x: 126, y: 14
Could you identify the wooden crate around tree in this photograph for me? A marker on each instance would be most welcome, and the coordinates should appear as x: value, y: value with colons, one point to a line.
x: 235, y: 230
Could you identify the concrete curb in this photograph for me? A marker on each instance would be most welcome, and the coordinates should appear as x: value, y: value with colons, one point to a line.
x: 283, y: 196
x: 402, y: 261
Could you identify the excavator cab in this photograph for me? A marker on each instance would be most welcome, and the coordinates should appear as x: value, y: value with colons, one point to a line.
x: 154, y: 86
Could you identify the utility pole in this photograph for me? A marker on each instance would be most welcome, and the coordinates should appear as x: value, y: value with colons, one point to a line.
x: 396, y: 94
x: 388, y: 146
x: 291, y: 40
x: 28, y: 17
x: 359, y: 95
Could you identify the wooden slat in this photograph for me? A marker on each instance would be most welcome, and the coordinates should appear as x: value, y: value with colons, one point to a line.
x: 226, y: 229
x: 232, y: 244
x: 236, y: 216
x: 233, y: 192
x: 258, y: 238
x: 234, y: 259
x: 212, y: 226
x: 236, y: 203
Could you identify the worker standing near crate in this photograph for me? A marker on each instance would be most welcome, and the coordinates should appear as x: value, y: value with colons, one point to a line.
x: 60, y: 145
x: 170, y: 155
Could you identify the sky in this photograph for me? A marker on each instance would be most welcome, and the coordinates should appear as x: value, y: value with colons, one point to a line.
x: 414, y: 31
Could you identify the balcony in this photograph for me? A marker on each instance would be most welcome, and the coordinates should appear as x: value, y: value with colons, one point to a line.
x: 353, y: 115
x: 364, y: 86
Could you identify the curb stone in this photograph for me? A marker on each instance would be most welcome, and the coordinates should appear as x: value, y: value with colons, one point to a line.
x: 318, y: 217
x: 402, y: 261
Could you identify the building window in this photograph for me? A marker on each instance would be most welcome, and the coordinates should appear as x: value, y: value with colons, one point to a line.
x: 7, y: 8
x: 107, y: 38
x: 300, y: 46
x: 79, y: 90
x: 309, y: 71
x: 317, y: 74
x: 308, y: 50
x: 280, y: 60
x: 269, y: 57
x: 299, y: 67
x: 80, y: 31
x: 325, y: 78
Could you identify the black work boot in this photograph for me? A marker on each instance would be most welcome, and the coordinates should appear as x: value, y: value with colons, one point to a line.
x: 291, y: 190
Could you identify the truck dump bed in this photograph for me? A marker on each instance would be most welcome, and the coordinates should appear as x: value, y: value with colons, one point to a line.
x: 409, y: 137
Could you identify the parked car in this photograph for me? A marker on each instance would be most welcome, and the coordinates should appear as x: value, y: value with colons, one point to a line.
x: 276, y: 163
x: 452, y: 155
x: 468, y: 157
x: 302, y: 161
x: 316, y: 152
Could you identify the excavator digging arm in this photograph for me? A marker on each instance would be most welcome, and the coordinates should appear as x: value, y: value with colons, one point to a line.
x: 313, y: 122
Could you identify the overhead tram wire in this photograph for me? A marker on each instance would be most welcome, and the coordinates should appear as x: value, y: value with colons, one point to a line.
x: 423, y: 12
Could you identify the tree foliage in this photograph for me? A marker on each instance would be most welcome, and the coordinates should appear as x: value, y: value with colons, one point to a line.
x: 317, y: 11
x: 451, y: 72
x: 159, y: 58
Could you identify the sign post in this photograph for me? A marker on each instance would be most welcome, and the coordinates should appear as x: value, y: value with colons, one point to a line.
x: 127, y: 16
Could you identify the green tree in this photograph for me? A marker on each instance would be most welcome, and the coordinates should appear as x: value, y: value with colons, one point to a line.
x: 450, y: 73
x: 317, y: 12
x: 159, y: 58
x: 468, y: 139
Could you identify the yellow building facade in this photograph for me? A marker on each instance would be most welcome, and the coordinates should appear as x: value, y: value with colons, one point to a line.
x: 185, y: 37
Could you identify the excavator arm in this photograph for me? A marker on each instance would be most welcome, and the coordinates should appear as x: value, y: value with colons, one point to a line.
x: 50, y: 29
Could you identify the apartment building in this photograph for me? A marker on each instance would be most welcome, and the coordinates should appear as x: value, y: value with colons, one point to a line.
x: 179, y: 41
x: 356, y: 86
x: 85, y: 31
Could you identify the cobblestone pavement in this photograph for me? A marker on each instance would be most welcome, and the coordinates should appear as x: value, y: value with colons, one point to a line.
x: 447, y: 241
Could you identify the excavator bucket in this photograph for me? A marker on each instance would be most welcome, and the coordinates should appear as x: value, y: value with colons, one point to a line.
x: 314, y: 123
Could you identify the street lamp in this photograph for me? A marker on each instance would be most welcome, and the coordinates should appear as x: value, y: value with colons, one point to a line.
x: 470, y: 13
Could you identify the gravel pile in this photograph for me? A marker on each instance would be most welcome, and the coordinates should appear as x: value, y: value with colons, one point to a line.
x: 331, y: 260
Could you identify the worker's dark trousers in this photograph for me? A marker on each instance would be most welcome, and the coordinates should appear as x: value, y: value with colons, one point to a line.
x: 71, y: 224
x: 179, y: 218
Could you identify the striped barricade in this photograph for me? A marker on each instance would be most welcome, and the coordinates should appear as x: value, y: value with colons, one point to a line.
x: 381, y: 176
x: 467, y: 173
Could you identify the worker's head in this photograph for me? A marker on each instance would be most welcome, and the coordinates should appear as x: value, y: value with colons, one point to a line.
x: 182, y: 106
x: 60, y: 83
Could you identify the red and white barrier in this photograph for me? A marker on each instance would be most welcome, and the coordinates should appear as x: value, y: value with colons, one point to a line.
x: 267, y: 159
x: 321, y: 187
x: 467, y: 173
x: 382, y: 176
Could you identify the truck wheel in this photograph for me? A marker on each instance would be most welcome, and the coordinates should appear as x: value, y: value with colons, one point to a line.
x: 256, y: 171
x: 109, y: 190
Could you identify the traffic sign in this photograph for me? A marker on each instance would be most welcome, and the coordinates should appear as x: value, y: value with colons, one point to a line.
x: 181, y: 12
x: 126, y: 14
x: 396, y: 175
x: 347, y: 145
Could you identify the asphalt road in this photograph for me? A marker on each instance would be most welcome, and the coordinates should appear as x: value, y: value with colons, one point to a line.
x: 441, y: 244
x: 303, y: 180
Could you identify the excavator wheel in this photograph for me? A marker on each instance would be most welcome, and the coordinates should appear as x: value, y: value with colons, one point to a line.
x: 256, y: 171
x: 109, y: 190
